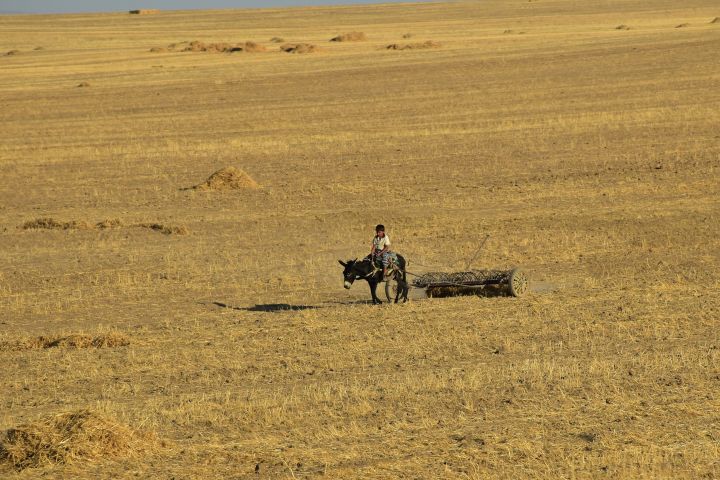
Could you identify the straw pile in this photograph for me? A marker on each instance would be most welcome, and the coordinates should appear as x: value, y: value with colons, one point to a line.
x: 350, y: 37
x: 413, y: 46
x: 298, y: 48
x: 228, y: 178
x: 165, y: 229
x: 68, y: 437
x: 144, y: 12
x: 109, y: 340
x: 52, y: 224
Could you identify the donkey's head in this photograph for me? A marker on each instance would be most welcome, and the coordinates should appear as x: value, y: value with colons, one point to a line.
x: 350, y: 273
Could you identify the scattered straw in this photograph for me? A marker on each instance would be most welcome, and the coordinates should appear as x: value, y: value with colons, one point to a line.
x: 228, y: 178
x: 109, y: 223
x: 165, y: 229
x: 407, y: 35
x: 83, y: 84
x: 350, y: 37
x: 158, y: 50
x: 277, y: 40
x: 52, y: 224
x: 622, y: 27
x: 682, y: 25
x: 413, y: 46
x: 69, y: 437
x: 298, y: 48
x: 12, y: 52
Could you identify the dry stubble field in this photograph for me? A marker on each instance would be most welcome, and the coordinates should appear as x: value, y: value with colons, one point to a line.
x: 226, y: 345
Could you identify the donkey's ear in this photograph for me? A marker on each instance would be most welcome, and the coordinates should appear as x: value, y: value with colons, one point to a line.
x: 342, y: 263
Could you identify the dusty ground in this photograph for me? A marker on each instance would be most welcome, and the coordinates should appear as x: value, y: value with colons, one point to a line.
x: 589, y: 153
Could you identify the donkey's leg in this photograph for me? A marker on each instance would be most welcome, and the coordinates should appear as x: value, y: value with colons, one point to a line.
x: 373, y: 287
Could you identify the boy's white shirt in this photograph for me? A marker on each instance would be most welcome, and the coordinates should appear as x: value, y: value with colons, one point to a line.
x: 380, y: 243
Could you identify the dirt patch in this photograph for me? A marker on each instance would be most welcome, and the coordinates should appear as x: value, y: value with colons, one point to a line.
x: 350, y: 37
x: 144, y: 12
x: 413, y: 46
x: 164, y: 229
x: 52, y: 224
x: 109, y: 340
x: 298, y: 48
x: 622, y: 27
x: 68, y: 437
x: 228, y: 178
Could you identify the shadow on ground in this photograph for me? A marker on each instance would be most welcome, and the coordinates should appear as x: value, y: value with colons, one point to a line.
x: 268, y: 307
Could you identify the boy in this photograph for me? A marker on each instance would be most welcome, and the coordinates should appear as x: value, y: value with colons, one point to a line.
x: 381, y: 248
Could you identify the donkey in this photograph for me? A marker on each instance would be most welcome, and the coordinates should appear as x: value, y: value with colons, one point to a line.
x: 365, y: 270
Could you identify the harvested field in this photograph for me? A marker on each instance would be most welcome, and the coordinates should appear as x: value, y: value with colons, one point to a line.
x: 350, y: 37
x: 585, y: 155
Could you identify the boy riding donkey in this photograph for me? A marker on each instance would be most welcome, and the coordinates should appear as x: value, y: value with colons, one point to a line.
x: 380, y: 250
x: 368, y: 270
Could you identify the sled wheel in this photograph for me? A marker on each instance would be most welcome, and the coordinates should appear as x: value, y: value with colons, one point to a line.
x: 391, y: 289
x: 517, y: 282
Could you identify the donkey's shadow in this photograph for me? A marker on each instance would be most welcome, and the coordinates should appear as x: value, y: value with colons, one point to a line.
x: 268, y: 307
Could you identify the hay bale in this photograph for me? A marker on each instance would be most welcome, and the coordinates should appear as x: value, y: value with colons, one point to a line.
x: 164, y: 229
x: 147, y: 11
x: 413, y: 46
x: 350, y: 37
x: 52, y: 224
x: 228, y: 178
x: 298, y: 48
x: 68, y: 437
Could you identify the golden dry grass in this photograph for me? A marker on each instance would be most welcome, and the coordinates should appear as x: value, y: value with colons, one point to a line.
x: 590, y: 155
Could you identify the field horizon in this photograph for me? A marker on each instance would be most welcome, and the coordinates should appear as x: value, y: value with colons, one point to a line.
x: 155, y: 322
